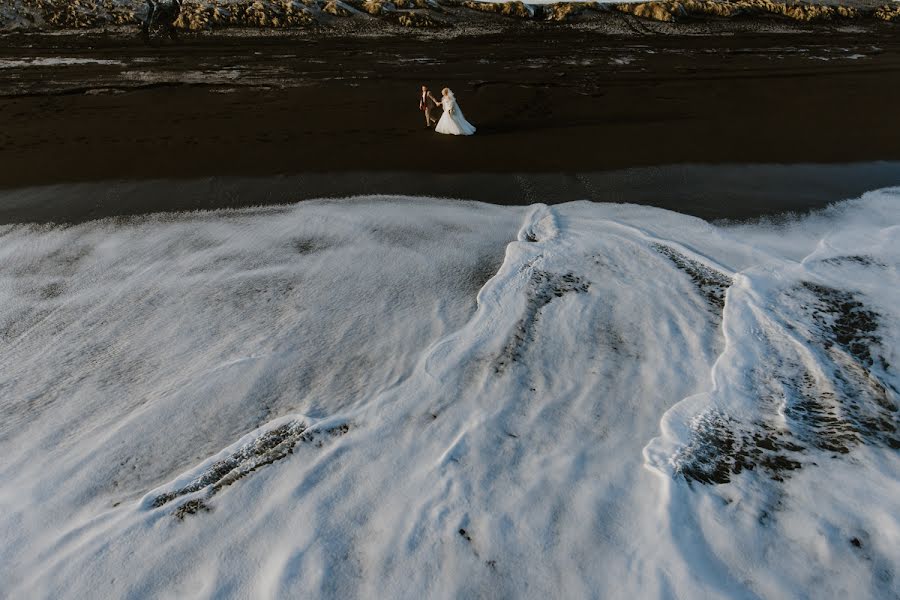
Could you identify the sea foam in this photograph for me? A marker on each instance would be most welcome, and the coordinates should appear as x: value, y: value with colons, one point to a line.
x: 390, y: 397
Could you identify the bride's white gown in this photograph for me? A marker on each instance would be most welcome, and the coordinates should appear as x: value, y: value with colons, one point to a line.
x: 452, y: 121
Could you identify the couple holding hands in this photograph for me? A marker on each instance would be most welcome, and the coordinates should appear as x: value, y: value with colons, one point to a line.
x: 452, y: 121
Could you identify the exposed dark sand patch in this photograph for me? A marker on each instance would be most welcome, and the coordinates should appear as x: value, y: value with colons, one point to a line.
x: 58, y: 263
x: 712, y: 284
x: 20, y: 321
x: 860, y: 408
x: 855, y: 260
x: 807, y: 414
x: 843, y: 320
x: 268, y: 448
x: 543, y: 287
x: 722, y: 447
x: 52, y: 290
x: 309, y: 245
x: 191, y: 507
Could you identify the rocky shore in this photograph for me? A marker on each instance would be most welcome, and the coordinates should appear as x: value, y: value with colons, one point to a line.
x: 204, y: 15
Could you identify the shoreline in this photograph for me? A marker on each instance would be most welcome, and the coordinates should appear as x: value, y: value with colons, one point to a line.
x: 710, y: 192
x: 79, y: 111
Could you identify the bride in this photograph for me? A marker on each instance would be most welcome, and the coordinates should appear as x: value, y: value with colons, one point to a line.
x: 452, y: 122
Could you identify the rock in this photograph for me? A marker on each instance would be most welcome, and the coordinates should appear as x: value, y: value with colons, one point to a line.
x: 509, y: 9
x: 563, y: 11
x: 888, y: 12
x: 655, y: 11
x: 672, y: 10
x: 338, y: 9
x: 197, y: 15
x: 375, y: 7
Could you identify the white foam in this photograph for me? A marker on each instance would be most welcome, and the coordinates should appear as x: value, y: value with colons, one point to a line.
x: 360, y: 419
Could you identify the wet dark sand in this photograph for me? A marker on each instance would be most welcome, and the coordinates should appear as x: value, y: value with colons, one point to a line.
x: 562, y: 115
x: 707, y: 191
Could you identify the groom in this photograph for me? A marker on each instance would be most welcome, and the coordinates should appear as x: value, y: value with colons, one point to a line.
x: 426, y: 103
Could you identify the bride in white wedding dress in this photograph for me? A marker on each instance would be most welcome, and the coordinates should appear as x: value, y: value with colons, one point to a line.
x: 452, y: 122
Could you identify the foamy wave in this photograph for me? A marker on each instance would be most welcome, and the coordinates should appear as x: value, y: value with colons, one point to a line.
x: 433, y: 415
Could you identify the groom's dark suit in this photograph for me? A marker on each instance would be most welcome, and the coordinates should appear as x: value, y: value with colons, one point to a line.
x: 426, y: 106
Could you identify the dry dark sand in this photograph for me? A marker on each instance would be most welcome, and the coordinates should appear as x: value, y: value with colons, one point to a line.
x: 562, y: 114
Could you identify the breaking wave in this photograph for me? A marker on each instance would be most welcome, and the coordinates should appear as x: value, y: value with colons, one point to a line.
x: 452, y: 399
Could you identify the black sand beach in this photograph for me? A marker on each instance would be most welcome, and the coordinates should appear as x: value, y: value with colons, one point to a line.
x: 398, y: 373
x: 562, y: 113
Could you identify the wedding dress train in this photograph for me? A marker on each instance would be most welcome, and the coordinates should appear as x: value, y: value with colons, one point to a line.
x: 453, y: 122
